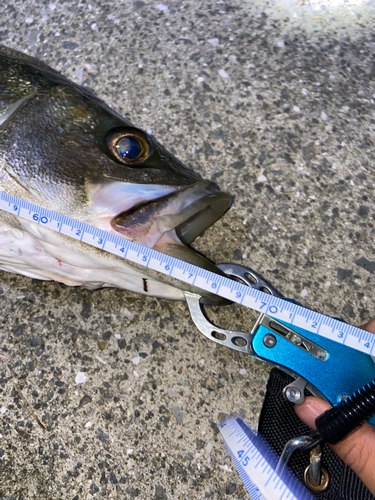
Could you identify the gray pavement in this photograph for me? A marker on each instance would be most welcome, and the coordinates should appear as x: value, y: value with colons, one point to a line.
x: 109, y: 394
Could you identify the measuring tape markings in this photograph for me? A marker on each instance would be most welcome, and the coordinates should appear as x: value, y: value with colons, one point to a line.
x: 253, y: 462
x: 250, y: 485
x: 279, y: 309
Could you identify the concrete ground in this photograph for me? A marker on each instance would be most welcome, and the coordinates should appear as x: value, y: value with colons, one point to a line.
x: 109, y: 394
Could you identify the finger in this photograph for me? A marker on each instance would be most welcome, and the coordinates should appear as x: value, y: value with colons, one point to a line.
x: 357, y: 449
x: 311, y: 409
x: 370, y: 326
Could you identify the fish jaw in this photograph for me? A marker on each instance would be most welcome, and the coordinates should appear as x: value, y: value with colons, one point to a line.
x: 167, y: 223
x: 190, y: 211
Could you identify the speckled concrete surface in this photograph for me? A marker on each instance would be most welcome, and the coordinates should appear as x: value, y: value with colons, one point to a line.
x: 275, y: 102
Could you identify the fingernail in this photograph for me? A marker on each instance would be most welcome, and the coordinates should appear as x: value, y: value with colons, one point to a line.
x: 310, y: 410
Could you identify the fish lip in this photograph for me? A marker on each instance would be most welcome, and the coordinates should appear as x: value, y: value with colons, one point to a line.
x: 200, y: 206
x: 202, y: 214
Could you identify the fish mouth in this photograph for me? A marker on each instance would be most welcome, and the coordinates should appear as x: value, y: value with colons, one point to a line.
x: 169, y: 223
x: 188, y: 212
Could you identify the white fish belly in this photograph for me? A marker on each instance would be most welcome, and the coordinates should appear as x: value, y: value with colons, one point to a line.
x: 37, y: 253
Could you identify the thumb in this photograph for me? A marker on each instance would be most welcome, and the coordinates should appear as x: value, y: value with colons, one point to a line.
x: 357, y: 449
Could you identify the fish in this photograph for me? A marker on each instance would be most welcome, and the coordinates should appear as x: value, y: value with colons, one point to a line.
x: 64, y: 149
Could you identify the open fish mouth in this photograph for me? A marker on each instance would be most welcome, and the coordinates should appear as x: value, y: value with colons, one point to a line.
x: 188, y: 212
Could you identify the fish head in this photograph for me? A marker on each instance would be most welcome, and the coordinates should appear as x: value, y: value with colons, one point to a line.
x: 66, y: 150
x: 144, y: 193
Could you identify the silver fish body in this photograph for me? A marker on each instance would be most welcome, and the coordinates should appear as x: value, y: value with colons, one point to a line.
x: 65, y: 150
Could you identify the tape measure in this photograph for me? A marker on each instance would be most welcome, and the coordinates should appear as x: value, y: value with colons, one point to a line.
x: 256, y: 465
x: 280, y: 309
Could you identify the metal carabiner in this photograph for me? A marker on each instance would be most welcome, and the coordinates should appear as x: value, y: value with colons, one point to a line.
x: 316, y: 477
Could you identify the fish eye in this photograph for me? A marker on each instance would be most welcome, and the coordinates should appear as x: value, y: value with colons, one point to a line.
x: 128, y: 146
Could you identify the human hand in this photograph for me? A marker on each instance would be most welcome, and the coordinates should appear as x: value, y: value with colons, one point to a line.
x: 358, y: 448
